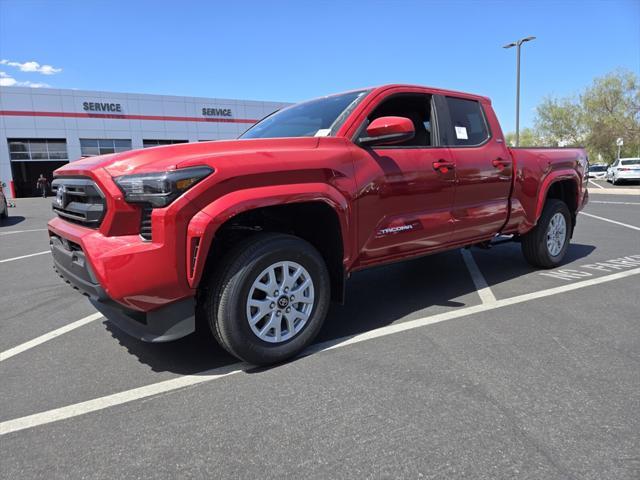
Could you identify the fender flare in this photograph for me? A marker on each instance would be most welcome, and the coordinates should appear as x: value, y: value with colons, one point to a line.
x: 204, y: 224
x: 549, y: 180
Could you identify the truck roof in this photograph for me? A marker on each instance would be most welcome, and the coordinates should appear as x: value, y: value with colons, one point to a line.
x: 381, y: 88
x: 440, y: 91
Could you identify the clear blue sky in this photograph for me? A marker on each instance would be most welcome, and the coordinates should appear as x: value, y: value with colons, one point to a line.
x: 290, y: 51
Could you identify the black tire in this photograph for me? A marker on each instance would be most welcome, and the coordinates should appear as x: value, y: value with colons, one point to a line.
x: 225, y: 298
x: 534, y: 243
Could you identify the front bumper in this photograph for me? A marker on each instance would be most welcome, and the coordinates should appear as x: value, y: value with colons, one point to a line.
x: 137, y: 274
x: 70, y: 263
x: 170, y: 321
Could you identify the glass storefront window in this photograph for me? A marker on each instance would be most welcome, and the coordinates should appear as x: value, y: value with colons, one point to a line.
x: 102, y: 146
x: 37, y: 149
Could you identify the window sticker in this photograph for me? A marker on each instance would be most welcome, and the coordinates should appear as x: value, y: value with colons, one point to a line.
x: 461, y: 133
x: 323, y: 132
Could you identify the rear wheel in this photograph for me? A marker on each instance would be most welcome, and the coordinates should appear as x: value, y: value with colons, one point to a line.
x: 269, y: 299
x: 546, y: 245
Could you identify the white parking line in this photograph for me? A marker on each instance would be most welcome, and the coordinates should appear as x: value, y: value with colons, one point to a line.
x: 610, y: 221
x: 24, y: 256
x: 127, y: 396
x: 23, y: 231
x: 485, y: 293
x: 614, y: 203
x: 594, y: 183
x: 119, y: 398
x: 48, y: 336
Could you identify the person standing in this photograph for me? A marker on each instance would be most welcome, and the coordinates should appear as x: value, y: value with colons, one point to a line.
x: 42, y: 184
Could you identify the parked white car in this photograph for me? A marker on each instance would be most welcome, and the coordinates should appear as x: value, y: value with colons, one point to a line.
x: 624, y: 169
x: 598, y: 171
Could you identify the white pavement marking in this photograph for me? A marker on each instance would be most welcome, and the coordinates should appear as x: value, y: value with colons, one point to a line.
x: 485, y: 293
x: 127, y: 396
x: 610, y: 221
x: 614, y: 203
x: 594, y: 183
x: 23, y: 231
x: 24, y: 256
x: 48, y: 336
x: 119, y: 398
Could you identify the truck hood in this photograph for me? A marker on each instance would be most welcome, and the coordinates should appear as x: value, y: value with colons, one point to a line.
x: 170, y: 157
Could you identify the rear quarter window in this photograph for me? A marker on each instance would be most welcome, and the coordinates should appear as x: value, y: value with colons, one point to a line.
x: 468, y: 124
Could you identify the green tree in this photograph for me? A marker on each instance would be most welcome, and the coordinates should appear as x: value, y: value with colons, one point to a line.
x: 611, y: 109
x: 608, y: 109
x: 528, y: 138
x: 559, y: 122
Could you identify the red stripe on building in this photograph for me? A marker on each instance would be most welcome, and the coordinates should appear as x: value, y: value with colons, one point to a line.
x: 21, y: 113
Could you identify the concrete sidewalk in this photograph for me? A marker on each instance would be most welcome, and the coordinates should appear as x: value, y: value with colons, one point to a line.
x: 612, y: 191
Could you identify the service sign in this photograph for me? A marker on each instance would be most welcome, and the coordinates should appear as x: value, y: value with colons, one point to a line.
x: 106, y: 107
x: 216, y: 112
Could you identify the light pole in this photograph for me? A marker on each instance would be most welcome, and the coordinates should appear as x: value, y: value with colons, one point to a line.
x: 619, y: 143
x: 518, y: 44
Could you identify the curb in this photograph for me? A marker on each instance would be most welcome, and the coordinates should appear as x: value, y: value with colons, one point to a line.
x: 612, y: 191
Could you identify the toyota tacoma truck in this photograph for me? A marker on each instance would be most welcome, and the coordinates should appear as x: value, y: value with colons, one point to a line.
x: 253, y: 238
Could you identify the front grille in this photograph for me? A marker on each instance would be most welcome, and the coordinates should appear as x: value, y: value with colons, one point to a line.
x: 79, y: 200
x: 145, y: 222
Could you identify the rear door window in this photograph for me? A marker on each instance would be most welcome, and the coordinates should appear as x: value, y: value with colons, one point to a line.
x: 468, y: 126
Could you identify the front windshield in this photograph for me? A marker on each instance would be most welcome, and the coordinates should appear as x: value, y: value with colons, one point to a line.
x: 320, y: 117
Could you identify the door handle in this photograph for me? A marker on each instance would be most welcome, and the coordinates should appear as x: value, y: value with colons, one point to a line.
x: 443, y: 166
x: 500, y: 163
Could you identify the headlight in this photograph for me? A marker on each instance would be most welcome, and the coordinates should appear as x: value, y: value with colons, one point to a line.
x: 161, y: 188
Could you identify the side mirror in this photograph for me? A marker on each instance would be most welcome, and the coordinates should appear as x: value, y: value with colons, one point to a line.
x: 388, y: 130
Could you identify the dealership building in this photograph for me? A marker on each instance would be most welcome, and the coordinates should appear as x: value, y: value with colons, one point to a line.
x: 42, y: 128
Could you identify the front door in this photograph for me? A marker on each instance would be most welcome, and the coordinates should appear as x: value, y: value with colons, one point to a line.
x: 405, y: 197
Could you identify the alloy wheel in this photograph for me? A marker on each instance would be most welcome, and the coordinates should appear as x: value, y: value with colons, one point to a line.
x: 556, y: 234
x: 280, y: 302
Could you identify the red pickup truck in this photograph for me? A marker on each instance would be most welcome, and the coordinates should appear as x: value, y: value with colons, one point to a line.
x: 254, y: 237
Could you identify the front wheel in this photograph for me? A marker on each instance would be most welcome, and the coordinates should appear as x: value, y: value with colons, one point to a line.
x: 545, y: 246
x: 269, y: 299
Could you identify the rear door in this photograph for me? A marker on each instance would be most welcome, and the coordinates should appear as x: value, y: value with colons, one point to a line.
x: 483, y: 170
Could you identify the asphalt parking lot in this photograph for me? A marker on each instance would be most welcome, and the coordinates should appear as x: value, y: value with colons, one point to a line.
x: 466, y: 364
